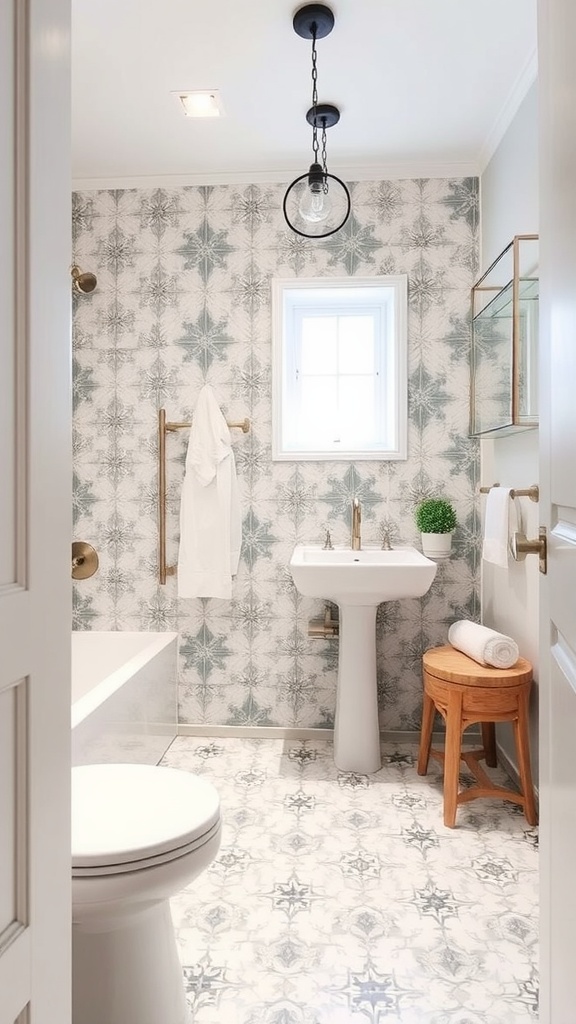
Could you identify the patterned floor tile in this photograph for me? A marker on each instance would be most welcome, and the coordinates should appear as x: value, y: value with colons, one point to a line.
x: 340, y: 898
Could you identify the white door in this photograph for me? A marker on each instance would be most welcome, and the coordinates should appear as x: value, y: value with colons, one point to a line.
x: 35, y: 507
x: 557, y: 76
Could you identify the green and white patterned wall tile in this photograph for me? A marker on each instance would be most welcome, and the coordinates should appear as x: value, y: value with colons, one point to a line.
x: 184, y: 298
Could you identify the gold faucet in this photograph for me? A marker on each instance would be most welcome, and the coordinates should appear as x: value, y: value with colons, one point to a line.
x: 356, y: 520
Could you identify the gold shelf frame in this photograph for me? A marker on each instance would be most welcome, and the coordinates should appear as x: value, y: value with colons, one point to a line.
x: 477, y: 288
x: 164, y: 426
x: 532, y: 492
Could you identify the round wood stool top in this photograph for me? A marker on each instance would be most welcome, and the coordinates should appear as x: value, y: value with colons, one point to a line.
x: 454, y: 667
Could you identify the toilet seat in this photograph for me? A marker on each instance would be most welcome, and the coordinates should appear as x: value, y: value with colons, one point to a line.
x: 128, y: 817
x: 142, y: 863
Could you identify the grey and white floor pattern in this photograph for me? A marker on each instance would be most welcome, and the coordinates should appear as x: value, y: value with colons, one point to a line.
x: 342, y: 899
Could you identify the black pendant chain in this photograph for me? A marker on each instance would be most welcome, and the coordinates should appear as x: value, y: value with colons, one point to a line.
x: 315, y: 144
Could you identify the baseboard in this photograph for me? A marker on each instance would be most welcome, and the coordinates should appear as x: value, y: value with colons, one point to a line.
x: 291, y: 733
x: 264, y: 732
x: 507, y: 763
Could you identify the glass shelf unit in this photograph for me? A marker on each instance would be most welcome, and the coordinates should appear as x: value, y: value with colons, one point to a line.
x: 504, y: 355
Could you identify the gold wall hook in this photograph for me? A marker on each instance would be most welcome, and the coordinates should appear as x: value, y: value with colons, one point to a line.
x: 84, y: 560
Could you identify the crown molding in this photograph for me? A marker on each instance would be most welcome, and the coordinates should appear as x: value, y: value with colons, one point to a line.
x: 517, y: 94
x: 382, y: 172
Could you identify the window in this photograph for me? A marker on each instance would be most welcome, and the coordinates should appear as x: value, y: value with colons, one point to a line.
x: 339, y: 368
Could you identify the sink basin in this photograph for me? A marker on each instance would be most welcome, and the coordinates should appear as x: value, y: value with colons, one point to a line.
x: 358, y: 581
x: 365, y: 577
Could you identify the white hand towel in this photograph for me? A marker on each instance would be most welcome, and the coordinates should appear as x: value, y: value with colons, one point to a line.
x: 500, y: 521
x: 484, y: 645
x: 210, y: 520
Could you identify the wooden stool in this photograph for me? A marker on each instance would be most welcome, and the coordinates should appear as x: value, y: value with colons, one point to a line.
x: 464, y: 693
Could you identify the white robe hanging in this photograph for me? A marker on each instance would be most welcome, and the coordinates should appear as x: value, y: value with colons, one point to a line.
x: 210, y: 523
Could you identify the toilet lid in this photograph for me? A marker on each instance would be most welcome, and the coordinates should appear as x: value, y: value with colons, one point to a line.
x: 129, y: 813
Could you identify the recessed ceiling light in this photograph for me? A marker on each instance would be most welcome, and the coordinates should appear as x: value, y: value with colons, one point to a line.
x: 201, y: 103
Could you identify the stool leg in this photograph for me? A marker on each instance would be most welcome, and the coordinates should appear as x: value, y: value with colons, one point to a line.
x: 523, y: 754
x: 428, y: 712
x: 489, y: 744
x: 452, y: 756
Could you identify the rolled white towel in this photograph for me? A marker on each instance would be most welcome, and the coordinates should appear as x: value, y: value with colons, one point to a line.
x: 484, y: 645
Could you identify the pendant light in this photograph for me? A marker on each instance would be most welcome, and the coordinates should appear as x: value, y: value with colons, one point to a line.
x: 317, y: 204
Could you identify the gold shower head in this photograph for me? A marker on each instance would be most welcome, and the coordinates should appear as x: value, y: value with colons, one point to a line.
x: 83, y: 282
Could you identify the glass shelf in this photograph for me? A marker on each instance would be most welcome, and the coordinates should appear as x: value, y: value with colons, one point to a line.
x: 504, y: 357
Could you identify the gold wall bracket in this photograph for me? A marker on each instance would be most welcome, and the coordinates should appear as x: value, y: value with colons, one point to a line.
x: 84, y: 560
x: 83, y: 281
x: 324, y: 629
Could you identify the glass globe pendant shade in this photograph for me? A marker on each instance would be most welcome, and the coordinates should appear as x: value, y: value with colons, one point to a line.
x: 316, y: 204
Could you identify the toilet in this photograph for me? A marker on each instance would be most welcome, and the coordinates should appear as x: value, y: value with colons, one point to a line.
x: 140, y: 834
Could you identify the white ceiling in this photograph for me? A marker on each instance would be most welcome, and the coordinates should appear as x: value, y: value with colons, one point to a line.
x: 425, y: 87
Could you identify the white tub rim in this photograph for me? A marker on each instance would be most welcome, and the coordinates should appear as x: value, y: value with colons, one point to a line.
x: 129, y: 666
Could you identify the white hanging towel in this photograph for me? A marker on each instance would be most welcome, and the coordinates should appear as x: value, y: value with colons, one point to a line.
x: 500, y: 521
x: 210, y: 523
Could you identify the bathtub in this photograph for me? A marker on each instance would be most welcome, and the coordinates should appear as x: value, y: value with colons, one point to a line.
x: 124, y: 700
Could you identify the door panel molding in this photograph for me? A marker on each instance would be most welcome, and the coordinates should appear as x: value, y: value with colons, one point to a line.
x: 565, y: 657
x: 565, y: 525
x: 22, y: 283
x: 15, y: 612
x: 14, y: 853
x: 35, y: 511
x: 15, y: 978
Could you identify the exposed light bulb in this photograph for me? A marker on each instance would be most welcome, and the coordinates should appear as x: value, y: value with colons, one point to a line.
x: 315, y: 205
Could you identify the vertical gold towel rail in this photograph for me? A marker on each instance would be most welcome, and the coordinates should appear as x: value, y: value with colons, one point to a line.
x: 164, y: 570
x: 163, y: 426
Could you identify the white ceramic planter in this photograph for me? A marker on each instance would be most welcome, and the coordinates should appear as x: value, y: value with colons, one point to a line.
x: 436, y: 545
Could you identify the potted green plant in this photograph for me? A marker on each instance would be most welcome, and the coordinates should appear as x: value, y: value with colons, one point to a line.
x: 436, y: 519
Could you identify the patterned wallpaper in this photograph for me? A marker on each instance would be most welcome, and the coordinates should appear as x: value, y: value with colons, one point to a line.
x: 183, y: 298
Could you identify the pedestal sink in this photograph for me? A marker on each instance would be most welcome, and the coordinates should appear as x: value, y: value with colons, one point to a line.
x: 358, y: 581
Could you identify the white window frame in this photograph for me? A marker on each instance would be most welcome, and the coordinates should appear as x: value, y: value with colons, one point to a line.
x: 289, y: 299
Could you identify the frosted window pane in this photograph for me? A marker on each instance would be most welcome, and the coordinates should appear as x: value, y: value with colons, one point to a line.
x: 317, y: 422
x: 319, y: 352
x: 339, y: 368
x: 357, y: 410
x: 356, y: 344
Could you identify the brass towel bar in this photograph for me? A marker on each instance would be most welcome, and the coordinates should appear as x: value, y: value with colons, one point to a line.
x: 523, y: 492
x: 164, y: 426
x: 244, y: 424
